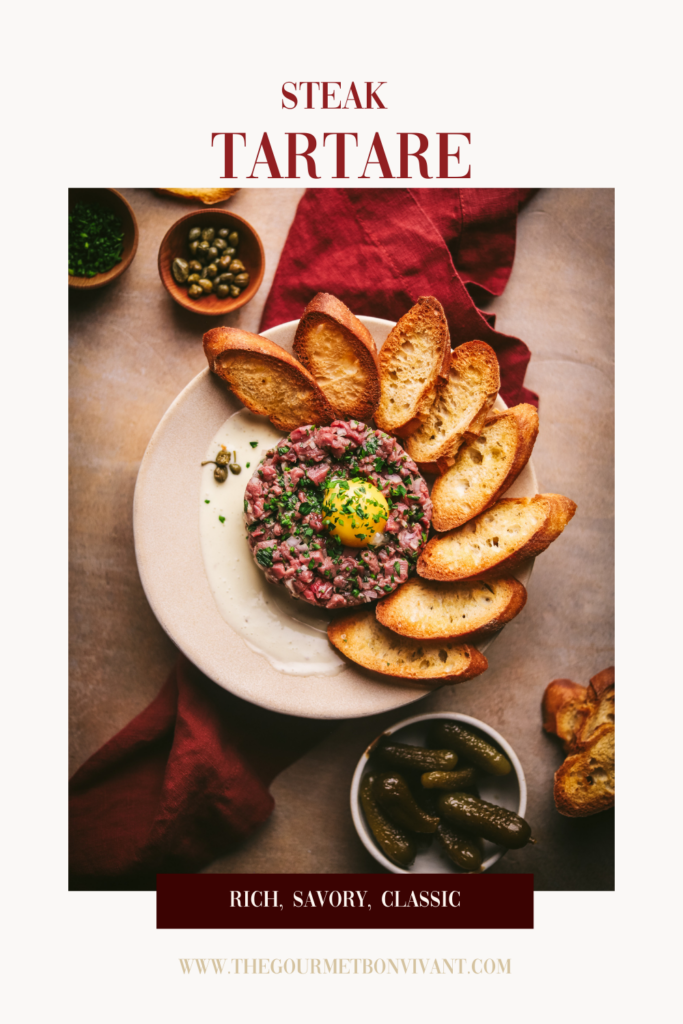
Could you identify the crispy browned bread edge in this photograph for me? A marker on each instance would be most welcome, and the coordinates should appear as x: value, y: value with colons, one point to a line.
x: 517, y: 600
x: 477, y: 664
x: 324, y: 307
x: 231, y: 339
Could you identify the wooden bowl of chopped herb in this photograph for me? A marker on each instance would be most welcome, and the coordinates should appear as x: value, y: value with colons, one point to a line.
x: 103, y: 236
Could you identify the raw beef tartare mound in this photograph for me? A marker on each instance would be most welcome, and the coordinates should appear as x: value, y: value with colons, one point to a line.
x: 338, y: 515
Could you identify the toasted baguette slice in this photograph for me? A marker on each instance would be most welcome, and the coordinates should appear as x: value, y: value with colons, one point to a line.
x: 414, y: 357
x: 598, y: 710
x: 266, y: 378
x: 461, y: 404
x: 562, y: 701
x: 584, y: 783
x: 485, y: 468
x: 427, y: 610
x: 498, y: 539
x: 208, y: 196
x: 340, y: 352
x: 583, y: 718
x: 362, y: 639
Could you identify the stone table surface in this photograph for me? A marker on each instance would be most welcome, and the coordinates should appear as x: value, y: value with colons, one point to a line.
x: 132, y: 350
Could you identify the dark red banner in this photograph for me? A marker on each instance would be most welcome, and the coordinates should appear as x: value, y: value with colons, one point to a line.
x: 345, y: 901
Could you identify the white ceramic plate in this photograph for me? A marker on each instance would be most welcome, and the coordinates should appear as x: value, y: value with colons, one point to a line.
x: 167, y: 546
x: 504, y: 791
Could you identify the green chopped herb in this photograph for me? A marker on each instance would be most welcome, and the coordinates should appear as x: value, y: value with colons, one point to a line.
x: 248, y: 465
x: 95, y: 240
x: 222, y: 518
x: 254, y: 444
x: 207, y: 501
x: 264, y: 556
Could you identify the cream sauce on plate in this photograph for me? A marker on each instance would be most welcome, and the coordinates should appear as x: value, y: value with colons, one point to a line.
x: 290, y: 634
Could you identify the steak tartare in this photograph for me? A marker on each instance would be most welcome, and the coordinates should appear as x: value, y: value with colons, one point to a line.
x: 290, y: 528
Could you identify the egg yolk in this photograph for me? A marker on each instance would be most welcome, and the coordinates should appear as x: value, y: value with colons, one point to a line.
x: 355, y: 511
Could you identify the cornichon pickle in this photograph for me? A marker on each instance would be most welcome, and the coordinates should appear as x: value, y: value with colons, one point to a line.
x: 465, y: 851
x: 403, y: 755
x: 496, y: 824
x: 391, y: 792
x: 468, y: 745
x: 464, y: 778
x: 394, y: 841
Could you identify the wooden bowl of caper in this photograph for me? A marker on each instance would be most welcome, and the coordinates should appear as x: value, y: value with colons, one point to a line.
x: 211, y: 262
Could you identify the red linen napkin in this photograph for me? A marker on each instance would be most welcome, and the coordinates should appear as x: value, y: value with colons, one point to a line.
x: 378, y: 250
x: 181, y: 784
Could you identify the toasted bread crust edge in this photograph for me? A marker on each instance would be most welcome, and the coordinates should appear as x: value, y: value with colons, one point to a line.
x: 326, y: 308
x: 424, y: 401
x: 526, y: 419
x: 219, y: 340
x: 478, y: 663
x: 516, y: 601
x: 444, y: 454
x: 559, y: 512
x: 561, y: 697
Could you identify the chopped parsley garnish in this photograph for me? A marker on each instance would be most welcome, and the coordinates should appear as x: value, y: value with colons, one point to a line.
x: 254, y: 444
x: 207, y: 501
x: 264, y: 556
x: 248, y: 465
x: 95, y: 240
x: 222, y: 519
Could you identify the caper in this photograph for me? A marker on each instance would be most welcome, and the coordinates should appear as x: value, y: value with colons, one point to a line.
x: 234, y: 238
x: 194, y: 235
x: 234, y: 468
x: 242, y: 280
x: 230, y: 252
x: 224, y: 262
x: 193, y: 248
x: 206, y: 285
x: 225, y: 279
x: 211, y: 270
x: 195, y: 267
x: 220, y: 244
x: 194, y: 291
x: 202, y: 248
x: 223, y: 457
x: 234, y: 291
x: 194, y: 279
x: 208, y: 235
x: 180, y: 270
x: 222, y: 291
x: 224, y: 232
x: 220, y: 474
x: 212, y: 253
x: 237, y: 267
